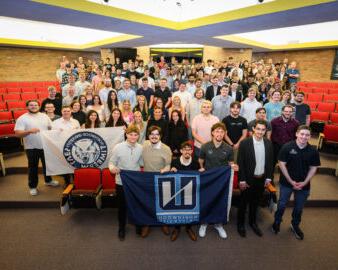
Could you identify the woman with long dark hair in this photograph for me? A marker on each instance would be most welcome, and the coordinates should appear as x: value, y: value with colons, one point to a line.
x: 92, y: 120
x: 116, y: 119
x: 77, y: 113
x: 112, y: 103
x: 178, y: 132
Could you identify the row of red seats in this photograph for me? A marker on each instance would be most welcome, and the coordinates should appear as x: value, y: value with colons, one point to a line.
x: 23, y: 96
x: 326, y: 117
x: 318, y: 84
x: 321, y: 97
x: 14, y: 105
x: 10, y: 116
x: 322, y: 106
x: 318, y: 90
x: 25, y: 90
x: 28, y: 84
x: 329, y: 135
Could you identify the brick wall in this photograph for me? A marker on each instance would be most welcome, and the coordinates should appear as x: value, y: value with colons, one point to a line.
x: 144, y: 53
x: 24, y: 64
x: 221, y: 54
x: 314, y: 65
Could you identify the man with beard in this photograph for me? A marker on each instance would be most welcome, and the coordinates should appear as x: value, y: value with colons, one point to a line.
x: 28, y: 127
x: 215, y: 153
x: 302, y: 110
x: 157, y: 158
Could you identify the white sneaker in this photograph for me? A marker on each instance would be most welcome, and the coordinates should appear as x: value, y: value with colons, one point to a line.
x: 52, y: 183
x: 203, y: 230
x: 221, y: 231
x: 33, y: 191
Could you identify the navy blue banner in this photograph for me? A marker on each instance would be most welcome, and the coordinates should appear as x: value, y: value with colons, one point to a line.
x: 185, y: 197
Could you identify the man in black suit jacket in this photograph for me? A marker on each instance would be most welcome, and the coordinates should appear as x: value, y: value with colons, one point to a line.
x: 255, y: 161
x: 213, y: 90
x: 235, y: 92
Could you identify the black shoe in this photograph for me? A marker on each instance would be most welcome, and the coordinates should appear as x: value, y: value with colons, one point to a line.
x: 275, y: 228
x: 122, y: 234
x: 297, y: 232
x: 241, y: 230
x: 256, y: 229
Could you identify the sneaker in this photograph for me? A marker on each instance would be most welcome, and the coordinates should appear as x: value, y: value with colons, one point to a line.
x: 297, y: 232
x: 275, y: 228
x: 221, y: 232
x: 33, y: 191
x: 203, y: 230
x: 52, y: 183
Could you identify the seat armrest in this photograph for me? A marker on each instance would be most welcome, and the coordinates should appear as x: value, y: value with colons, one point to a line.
x: 68, y: 190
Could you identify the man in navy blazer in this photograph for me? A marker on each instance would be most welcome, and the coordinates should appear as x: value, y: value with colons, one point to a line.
x: 213, y: 90
x: 255, y: 161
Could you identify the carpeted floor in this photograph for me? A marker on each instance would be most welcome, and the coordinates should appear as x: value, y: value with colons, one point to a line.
x: 86, y: 239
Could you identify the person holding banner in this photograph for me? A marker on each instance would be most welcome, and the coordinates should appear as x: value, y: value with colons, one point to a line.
x: 215, y: 153
x: 186, y: 162
x: 157, y: 158
x: 126, y: 156
x: 255, y: 161
x: 28, y: 126
x: 66, y: 122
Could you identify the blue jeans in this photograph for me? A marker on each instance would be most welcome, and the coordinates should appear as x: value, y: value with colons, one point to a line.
x: 300, y: 197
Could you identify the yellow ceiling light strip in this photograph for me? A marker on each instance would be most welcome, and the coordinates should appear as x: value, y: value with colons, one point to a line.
x: 175, y: 50
x: 34, y: 43
x: 252, y: 11
x: 250, y: 42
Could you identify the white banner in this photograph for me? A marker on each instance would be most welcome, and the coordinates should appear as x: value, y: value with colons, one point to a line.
x: 82, y: 148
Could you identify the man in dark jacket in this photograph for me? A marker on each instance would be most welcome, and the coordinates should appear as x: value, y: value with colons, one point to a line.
x: 255, y: 161
x: 213, y: 90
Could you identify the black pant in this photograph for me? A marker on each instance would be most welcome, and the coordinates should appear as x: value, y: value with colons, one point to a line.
x: 33, y: 156
x: 251, y: 196
x: 122, y: 207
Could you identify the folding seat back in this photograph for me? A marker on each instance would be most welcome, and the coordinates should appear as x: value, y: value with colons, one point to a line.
x: 331, y: 133
x: 41, y: 90
x: 320, y: 91
x: 3, y: 91
x: 108, y: 180
x: 5, y: 117
x: 314, y: 97
x: 7, y: 130
x: 16, y: 105
x: 3, y: 106
x: 333, y: 91
x: 306, y: 90
x: 17, y: 114
x: 30, y: 89
x: 331, y: 98
x: 11, y: 84
x: 319, y: 116
x: 13, y: 90
x: 87, y: 179
x: 37, y: 84
x: 326, y: 107
x: 43, y: 96
x: 25, y: 84
x: 312, y: 105
x: 334, y: 118
x: 28, y: 96
x: 11, y: 97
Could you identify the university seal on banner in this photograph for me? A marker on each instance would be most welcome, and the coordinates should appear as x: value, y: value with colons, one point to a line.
x: 85, y: 149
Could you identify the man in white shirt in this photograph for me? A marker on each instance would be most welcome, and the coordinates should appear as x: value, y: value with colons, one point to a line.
x: 183, y: 94
x: 66, y: 122
x: 250, y: 105
x: 81, y: 84
x: 28, y: 127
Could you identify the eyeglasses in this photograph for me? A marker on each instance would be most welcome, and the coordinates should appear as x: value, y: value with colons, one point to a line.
x: 154, y: 134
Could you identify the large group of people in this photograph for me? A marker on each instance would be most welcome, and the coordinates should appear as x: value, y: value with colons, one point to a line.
x: 187, y: 116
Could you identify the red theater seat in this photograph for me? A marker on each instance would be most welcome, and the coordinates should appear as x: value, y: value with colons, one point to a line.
x: 43, y: 96
x: 333, y: 91
x: 16, y: 105
x: 334, y: 118
x: 312, y: 105
x: 5, y: 117
x: 28, y: 96
x: 326, y: 107
x: 11, y: 97
x: 3, y: 106
x: 319, y: 116
x: 41, y: 90
x: 331, y: 98
x: 314, y: 97
x: 27, y: 89
x: 3, y: 91
x: 329, y: 135
x: 7, y: 130
x: 108, y: 183
x: 13, y: 90
x: 320, y: 91
x: 17, y: 114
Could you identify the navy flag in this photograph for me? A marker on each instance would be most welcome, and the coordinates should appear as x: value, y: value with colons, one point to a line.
x: 185, y: 197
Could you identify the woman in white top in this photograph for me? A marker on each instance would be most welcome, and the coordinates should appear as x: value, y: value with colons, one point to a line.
x: 98, y: 107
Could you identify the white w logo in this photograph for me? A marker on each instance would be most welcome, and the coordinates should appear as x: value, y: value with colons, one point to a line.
x: 167, y: 197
